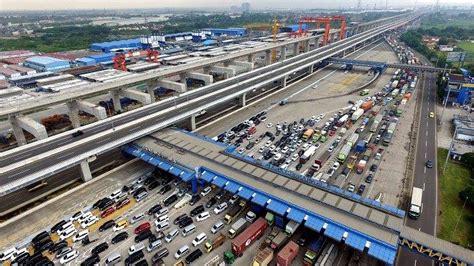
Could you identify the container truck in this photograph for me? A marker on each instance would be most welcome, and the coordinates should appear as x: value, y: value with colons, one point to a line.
x: 353, y: 139
x: 237, y: 227
x: 342, y: 120
x: 415, y: 204
x: 287, y: 254
x: 342, y: 156
x: 307, y: 154
x: 263, y: 257
x: 360, y: 147
x: 248, y: 236
x: 389, y: 133
x: 395, y: 92
x: 378, y: 118
x: 279, y: 240
x: 215, y: 243
x: 367, y: 105
x: 234, y: 212
x: 357, y: 114
x: 308, y: 134
x: 394, y: 84
x: 314, y: 248
x: 363, y: 162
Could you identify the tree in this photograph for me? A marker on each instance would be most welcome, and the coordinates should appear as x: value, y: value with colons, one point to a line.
x: 468, y: 193
x: 443, y: 41
x: 468, y: 159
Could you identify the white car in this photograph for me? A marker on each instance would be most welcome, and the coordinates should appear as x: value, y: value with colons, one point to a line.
x: 69, y: 257
x: 81, y: 235
x: 240, y: 151
x: 331, y: 149
x: 206, y: 191
x: 269, y: 125
x: 220, y: 208
x: 336, y: 165
x: 250, y: 216
x: 268, y: 143
x: 234, y: 199
x: 338, y: 139
x: 294, y: 157
x: 92, y: 220
x: 351, y: 188
x: 285, y: 149
x: 271, y: 148
x: 277, y: 157
x: 199, y: 239
x: 84, y: 217
x: 261, y: 150
x: 203, y: 216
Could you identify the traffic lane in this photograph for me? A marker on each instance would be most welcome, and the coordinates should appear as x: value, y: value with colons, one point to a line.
x: 281, y: 69
x: 10, y: 201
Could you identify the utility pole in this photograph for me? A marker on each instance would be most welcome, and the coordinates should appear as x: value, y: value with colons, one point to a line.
x: 359, y: 3
x: 386, y: 4
x: 457, y: 222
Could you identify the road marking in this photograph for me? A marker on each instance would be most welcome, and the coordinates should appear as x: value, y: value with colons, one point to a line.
x: 426, y: 133
x: 424, y: 185
x: 415, y: 260
x: 427, y: 123
x: 19, y: 173
x: 425, y: 155
x: 426, y: 143
x: 424, y: 170
x: 66, y: 155
x: 104, y: 140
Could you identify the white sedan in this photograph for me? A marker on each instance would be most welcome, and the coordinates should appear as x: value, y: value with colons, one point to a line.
x: 69, y: 257
x: 220, y: 208
x: 269, y: 125
x: 92, y: 220
x: 203, y: 216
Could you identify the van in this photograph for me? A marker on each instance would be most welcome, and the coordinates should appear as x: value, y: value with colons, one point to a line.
x: 217, y: 227
x: 171, y: 235
x: 116, y: 194
x: 141, y: 196
x: 160, y: 254
x: 162, y: 225
x: 163, y: 218
x: 189, y: 230
x: 181, y: 252
x: 162, y: 212
x: 113, y: 259
x: 64, y: 227
x: 134, y: 257
x: 137, y: 218
x: 135, y: 248
x: 193, y: 256
x: 154, y: 245
x: 67, y: 233
x: 199, y: 239
x: 7, y: 254
x: 39, y: 237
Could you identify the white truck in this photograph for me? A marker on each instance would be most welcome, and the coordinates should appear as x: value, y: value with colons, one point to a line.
x: 186, y: 198
x: 416, y: 203
x: 357, y: 114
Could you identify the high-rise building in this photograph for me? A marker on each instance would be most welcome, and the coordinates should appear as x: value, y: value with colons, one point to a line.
x: 245, y: 8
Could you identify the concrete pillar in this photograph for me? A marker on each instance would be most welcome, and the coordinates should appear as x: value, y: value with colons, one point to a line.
x: 151, y: 86
x: 17, y: 131
x: 283, y: 53
x: 283, y: 81
x: 142, y: 97
x: 171, y: 85
x: 247, y: 65
x: 306, y: 46
x: 251, y: 58
x: 227, y: 71
x: 331, y: 37
x: 311, y: 69
x: 74, y: 114
x: 85, y: 171
x: 208, y: 79
x: 296, y: 49
x: 268, y: 57
x: 243, y: 100
x: 182, y: 78
x: 316, y: 43
x: 115, y: 95
x: 192, y: 123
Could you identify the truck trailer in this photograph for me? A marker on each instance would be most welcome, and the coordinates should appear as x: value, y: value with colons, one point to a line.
x: 237, y: 227
x: 248, y: 236
x: 215, y: 243
x: 287, y: 254
x: 234, y: 212
x: 307, y: 154
x: 415, y: 204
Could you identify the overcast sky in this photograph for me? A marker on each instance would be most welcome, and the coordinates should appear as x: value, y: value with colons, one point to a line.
x: 222, y: 4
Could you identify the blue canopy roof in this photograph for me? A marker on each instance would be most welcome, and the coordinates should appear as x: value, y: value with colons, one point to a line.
x: 277, y: 207
x: 260, y: 199
x: 246, y: 193
x: 232, y: 187
x: 296, y: 215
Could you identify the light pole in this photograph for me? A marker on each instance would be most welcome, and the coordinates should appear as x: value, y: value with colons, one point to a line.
x: 449, y: 150
x: 459, y: 218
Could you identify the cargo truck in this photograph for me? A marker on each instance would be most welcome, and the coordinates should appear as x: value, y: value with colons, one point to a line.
x: 395, y: 92
x: 416, y: 203
x: 316, y: 136
x: 248, y: 236
x: 342, y: 156
x: 291, y: 227
x: 186, y: 198
x: 279, y: 240
x: 234, y: 212
x: 357, y: 114
x: 263, y: 257
x: 314, y: 248
x: 367, y: 105
x: 353, y: 139
x: 215, y: 243
x: 363, y: 162
x: 307, y: 154
x: 287, y: 254
x: 360, y: 147
x: 342, y: 120
x: 378, y: 118
x: 308, y: 134
x: 394, y: 84
x: 237, y: 227
x: 389, y: 133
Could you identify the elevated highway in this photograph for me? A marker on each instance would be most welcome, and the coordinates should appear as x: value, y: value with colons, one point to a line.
x: 52, y: 156
x: 374, y: 64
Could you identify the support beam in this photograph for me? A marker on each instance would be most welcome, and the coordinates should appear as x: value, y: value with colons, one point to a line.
x: 151, y: 86
x: 296, y: 49
x: 74, y: 114
x: 306, y: 46
x: 251, y: 58
x: 139, y: 96
x: 85, y: 171
x: 247, y: 65
x: 268, y: 57
x: 17, y: 131
x: 243, y: 100
x: 171, y: 85
x: 208, y: 79
x: 311, y: 69
x: 24, y: 122
x: 283, y: 53
x: 115, y: 95
x: 227, y: 71
x: 192, y: 123
x: 283, y: 81
x: 98, y: 111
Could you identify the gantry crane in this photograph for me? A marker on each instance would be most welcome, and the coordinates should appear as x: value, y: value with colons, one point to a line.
x: 120, y: 59
x: 327, y: 25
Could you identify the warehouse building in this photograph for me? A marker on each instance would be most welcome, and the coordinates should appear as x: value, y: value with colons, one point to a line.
x: 460, y: 89
x: 107, y: 47
x: 224, y: 32
x: 96, y: 59
x: 46, y: 64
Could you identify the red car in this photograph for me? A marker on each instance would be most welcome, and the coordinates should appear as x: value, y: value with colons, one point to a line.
x: 142, y: 228
x: 122, y: 203
x: 107, y: 212
x: 331, y: 133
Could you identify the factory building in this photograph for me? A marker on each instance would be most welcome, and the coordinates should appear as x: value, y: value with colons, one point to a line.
x: 460, y: 88
x: 224, y: 32
x: 293, y: 28
x: 91, y: 60
x: 46, y: 64
x: 107, y: 47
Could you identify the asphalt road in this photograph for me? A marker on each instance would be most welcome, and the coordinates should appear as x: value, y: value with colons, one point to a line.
x: 38, y: 165
x: 425, y: 178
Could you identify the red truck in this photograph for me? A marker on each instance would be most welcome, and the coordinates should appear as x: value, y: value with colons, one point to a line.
x: 287, y: 254
x: 247, y: 237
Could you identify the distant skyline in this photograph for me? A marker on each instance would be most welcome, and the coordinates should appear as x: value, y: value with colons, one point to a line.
x: 18, y: 5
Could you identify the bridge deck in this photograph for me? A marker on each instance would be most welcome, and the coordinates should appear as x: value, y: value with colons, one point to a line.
x: 195, y: 152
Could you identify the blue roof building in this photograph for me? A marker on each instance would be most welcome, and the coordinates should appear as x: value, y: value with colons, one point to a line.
x: 107, y: 47
x: 293, y: 28
x: 46, y: 63
x: 228, y: 31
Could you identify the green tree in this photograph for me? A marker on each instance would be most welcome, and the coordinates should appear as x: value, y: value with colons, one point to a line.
x: 468, y: 193
x: 443, y: 41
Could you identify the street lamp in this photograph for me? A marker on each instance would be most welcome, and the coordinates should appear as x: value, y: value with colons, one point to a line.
x: 459, y: 218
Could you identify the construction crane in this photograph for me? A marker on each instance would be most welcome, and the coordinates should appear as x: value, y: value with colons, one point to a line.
x: 327, y: 25
x: 275, y: 30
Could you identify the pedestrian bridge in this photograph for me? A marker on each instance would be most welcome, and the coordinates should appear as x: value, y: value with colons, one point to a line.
x: 375, y: 230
